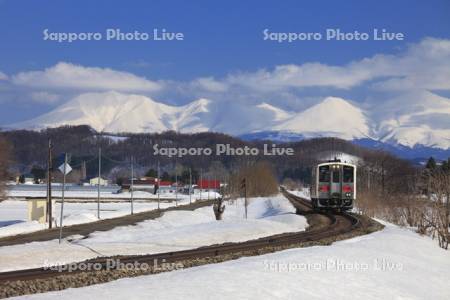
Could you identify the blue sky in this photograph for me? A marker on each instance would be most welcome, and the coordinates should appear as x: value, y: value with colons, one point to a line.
x: 220, y: 39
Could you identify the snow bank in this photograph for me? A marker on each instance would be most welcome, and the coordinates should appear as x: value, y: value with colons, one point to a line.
x: 13, y: 214
x: 398, y: 264
x: 175, y: 230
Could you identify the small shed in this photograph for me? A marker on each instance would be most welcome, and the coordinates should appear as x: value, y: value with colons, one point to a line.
x: 95, y: 181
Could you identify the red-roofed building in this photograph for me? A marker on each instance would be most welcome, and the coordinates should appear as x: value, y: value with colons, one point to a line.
x: 206, y: 184
x: 164, y: 183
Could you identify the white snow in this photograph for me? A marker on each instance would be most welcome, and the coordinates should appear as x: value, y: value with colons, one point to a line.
x: 331, y: 117
x: 118, y: 112
x: 302, y: 193
x: 13, y: 213
x: 279, y: 114
x: 395, y: 263
x: 175, y: 230
x: 416, y: 118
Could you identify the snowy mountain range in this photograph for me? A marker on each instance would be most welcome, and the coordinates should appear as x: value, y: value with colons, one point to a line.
x: 420, y: 119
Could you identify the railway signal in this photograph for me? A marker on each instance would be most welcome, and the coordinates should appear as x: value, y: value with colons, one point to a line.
x: 65, y: 168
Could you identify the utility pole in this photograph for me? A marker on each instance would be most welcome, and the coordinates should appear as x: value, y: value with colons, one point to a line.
x: 176, y: 185
x: 201, y: 183
x: 62, y: 198
x: 132, y: 183
x: 159, y: 187
x: 98, y: 181
x: 207, y: 180
x: 49, y: 185
x: 190, y: 186
x: 215, y: 187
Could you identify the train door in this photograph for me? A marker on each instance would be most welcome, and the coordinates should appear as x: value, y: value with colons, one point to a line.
x: 324, y: 182
x: 348, y: 182
x: 336, y: 182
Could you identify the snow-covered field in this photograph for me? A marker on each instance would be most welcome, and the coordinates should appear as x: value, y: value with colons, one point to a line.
x: 395, y: 263
x: 13, y: 213
x: 175, y: 230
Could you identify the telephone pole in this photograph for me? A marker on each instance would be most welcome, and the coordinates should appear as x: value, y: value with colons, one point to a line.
x: 176, y: 185
x: 132, y: 183
x: 214, y: 186
x: 246, y: 203
x: 49, y: 185
x: 207, y: 180
x: 159, y: 186
x: 190, y: 186
x: 98, y: 181
x: 201, y: 183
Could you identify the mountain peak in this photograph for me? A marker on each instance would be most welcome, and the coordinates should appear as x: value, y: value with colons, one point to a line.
x: 331, y: 117
x: 421, y: 119
x: 279, y: 114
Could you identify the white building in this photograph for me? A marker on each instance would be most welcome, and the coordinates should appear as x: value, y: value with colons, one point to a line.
x: 95, y: 181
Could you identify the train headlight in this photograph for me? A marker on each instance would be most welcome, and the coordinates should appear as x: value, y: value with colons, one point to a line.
x: 348, y: 195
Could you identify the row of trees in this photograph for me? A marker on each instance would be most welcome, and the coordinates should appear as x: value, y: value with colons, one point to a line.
x: 5, y: 161
x: 407, y: 196
x: 30, y: 150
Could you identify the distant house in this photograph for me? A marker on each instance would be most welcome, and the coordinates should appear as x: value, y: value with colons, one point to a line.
x: 26, y: 179
x: 166, y: 187
x: 96, y: 181
x: 206, y: 184
x: 141, y: 184
x: 151, y: 185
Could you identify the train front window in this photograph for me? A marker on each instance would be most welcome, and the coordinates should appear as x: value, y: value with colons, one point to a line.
x: 348, y: 174
x: 336, y: 176
x: 324, y: 174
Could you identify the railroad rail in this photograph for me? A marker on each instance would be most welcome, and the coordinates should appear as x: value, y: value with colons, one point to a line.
x: 323, y: 225
x: 85, y: 229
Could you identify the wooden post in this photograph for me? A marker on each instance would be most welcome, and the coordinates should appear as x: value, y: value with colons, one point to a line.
x: 49, y: 185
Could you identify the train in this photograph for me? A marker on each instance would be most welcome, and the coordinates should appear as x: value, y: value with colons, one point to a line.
x: 333, y: 185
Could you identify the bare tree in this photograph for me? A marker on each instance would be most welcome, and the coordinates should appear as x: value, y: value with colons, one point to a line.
x: 290, y: 184
x: 5, y: 161
x: 259, y: 177
x: 438, y: 218
x: 219, y: 208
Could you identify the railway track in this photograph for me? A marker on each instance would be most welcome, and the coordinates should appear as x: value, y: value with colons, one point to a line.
x: 323, y: 226
x: 85, y: 229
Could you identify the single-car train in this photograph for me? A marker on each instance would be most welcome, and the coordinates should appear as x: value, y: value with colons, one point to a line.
x: 333, y: 185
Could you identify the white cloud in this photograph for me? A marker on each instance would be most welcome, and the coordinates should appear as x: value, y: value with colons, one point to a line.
x: 209, y: 84
x: 3, y: 76
x: 69, y: 76
x: 425, y: 65
x: 421, y: 66
x: 45, y: 97
x: 297, y: 76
